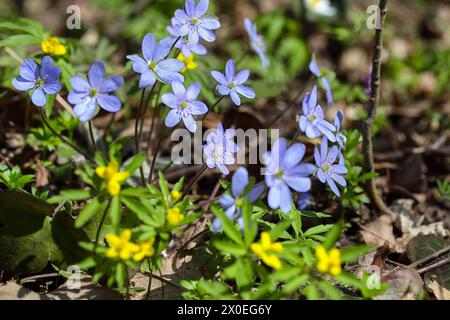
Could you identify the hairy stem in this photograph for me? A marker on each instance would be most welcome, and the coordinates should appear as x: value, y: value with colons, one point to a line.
x: 91, y: 134
x: 136, y: 133
x: 155, y: 153
x: 374, y: 100
x: 212, y: 107
x: 70, y: 144
x: 197, y: 176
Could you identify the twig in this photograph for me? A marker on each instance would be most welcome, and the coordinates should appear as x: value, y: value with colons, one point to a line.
x: 435, y: 265
x: 374, y: 100
x: 162, y: 279
x: 197, y: 177
x: 430, y: 257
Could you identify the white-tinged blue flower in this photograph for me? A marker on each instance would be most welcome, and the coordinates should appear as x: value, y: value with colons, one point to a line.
x: 312, y: 122
x: 219, y: 149
x: 304, y: 201
x: 87, y: 95
x: 182, y: 43
x: 195, y: 24
x: 315, y: 70
x: 256, y: 42
x: 42, y: 79
x: 155, y: 64
x: 232, y: 85
x: 327, y: 171
x: 284, y: 170
x: 184, y: 105
x: 233, y: 202
x: 341, y: 139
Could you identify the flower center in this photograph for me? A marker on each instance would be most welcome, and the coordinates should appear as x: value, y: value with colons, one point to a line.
x: 93, y: 92
x: 231, y: 85
x: 183, y: 105
x: 152, y: 65
x: 325, y: 167
x: 194, y: 21
x: 312, y: 117
x: 39, y: 82
x: 217, y: 155
x: 279, y: 174
x: 239, y: 203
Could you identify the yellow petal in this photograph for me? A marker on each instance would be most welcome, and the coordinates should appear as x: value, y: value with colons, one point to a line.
x: 277, y: 246
x: 265, y: 240
x: 321, y: 253
x: 100, y: 171
x: 60, y: 50
x: 121, y: 176
x: 111, y: 253
x: 335, y: 270
x: 113, y: 240
x: 125, y: 236
x: 273, y: 261
x: 322, y: 266
x: 113, y: 188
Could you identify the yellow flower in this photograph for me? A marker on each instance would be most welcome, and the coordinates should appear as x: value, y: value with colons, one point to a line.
x: 328, y: 262
x: 53, y: 46
x: 120, y: 246
x: 190, y: 64
x: 145, y: 250
x: 265, y: 248
x: 175, y: 195
x: 174, y: 216
x: 113, y: 177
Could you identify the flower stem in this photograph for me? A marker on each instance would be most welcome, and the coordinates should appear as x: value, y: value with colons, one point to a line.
x: 290, y: 104
x: 197, y: 176
x: 212, y: 107
x: 70, y: 144
x: 149, y: 286
x: 147, y: 101
x: 155, y: 153
x: 91, y: 134
x: 100, y: 226
x: 374, y: 100
x: 136, y: 133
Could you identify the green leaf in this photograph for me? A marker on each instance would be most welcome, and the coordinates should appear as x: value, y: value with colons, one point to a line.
x: 228, y: 226
x: 352, y: 254
x: 312, y: 292
x: 329, y: 290
x: 114, y: 211
x: 164, y: 187
x: 71, y: 195
x: 19, y: 40
x: 321, y: 228
x: 88, y: 212
x: 295, y: 283
x: 230, y: 247
x: 332, y: 236
x: 142, y: 212
x: 135, y: 163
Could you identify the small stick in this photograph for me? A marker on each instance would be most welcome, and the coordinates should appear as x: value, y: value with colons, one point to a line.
x: 430, y: 257
x: 374, y: 100
x: 435, y: 265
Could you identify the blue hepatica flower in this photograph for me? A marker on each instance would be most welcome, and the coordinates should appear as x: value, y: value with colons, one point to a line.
x: 327, y: 171
x: 313, y: 122
x: 256, y: 42
x: 232, y: 203
x: 183, y: 105
x: 232, y: 85
x: 183, y: 43
x: 87, y: 94
x: 341, y: 139
x: 195, y: 24
x: 42, y: 80
x: 155, y: 64
x: 304, y: 201
x: 314, y: 68
x: 284, y: 170
x: 219, y: 149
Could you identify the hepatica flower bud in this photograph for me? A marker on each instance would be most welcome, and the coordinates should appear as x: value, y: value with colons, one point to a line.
x: 40, y: 80
x: 256, y: 42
